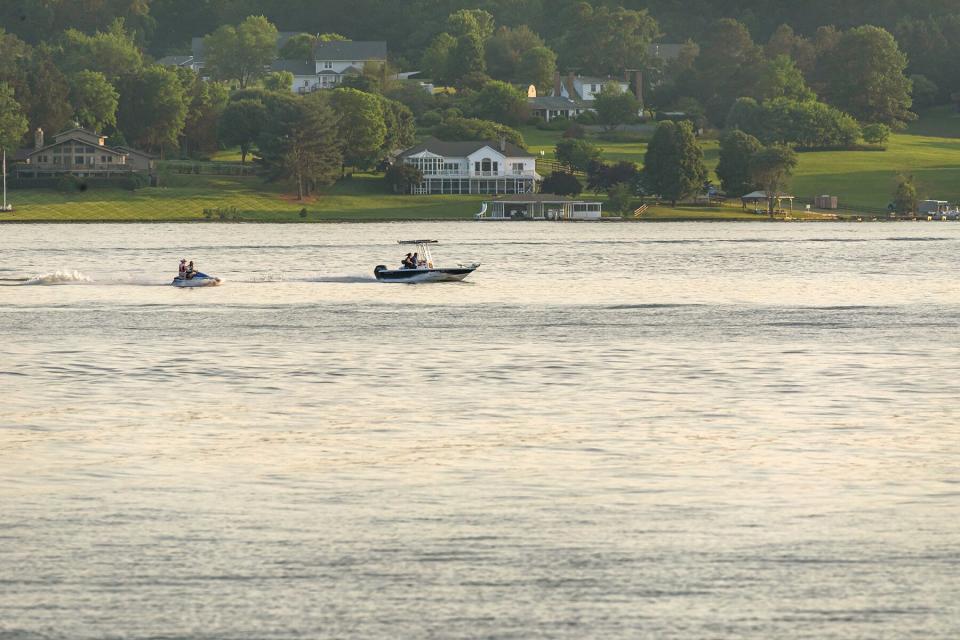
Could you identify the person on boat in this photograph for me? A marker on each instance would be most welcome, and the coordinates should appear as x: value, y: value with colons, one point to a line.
x: 190, y: 271
x: 407, y: 262
x: 414, y: 261
x: 183, y: 269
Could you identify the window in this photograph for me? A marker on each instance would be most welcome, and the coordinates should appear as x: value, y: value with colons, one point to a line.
x: 517, y: 167
x: 328, y: 65
x: 78, y: 160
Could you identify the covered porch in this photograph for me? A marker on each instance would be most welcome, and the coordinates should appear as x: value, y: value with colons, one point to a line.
x: 538, y: 206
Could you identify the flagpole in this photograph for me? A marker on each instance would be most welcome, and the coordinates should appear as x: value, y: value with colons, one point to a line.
x: 4, y: 180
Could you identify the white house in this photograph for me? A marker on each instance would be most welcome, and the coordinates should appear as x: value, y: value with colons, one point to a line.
x: 332, y: 62
x: 584, y: 88
x: 472, y: 167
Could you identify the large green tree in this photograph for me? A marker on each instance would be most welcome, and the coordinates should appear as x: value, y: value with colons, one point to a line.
x: 241, y: 123
x: 113, y: 52
x: 153, y: 108
x: 241, y: 53
x: 501, y: 102
x: 363, y: 130
x: 13, y: 122
x: 615, y: 106
x: 673, y: 164
x: 606, y: 41
x: 94, y: 100
x: 577, y: 154
x: 299, y: 143
x: 864, y: 75
x: 736, y: 151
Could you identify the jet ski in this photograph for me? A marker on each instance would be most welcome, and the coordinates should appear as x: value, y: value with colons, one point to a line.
x: 197, y: 280
x: 425, y: 270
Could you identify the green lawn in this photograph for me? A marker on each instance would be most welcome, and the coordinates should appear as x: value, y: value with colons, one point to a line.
x: 929, y: 149
x: 360, y: 198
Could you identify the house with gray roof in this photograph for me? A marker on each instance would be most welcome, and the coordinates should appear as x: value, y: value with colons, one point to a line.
x: 476, y: 166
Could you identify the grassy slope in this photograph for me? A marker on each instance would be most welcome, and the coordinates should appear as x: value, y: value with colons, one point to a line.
x: 360, y: 198
x: 929, y: 149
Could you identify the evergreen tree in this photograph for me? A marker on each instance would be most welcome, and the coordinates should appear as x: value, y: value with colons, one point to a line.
x: 905, y: 195
x: 299, y: 143
x: 673, y: 165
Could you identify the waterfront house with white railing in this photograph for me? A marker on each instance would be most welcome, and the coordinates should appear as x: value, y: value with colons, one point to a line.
x: 472, y: 167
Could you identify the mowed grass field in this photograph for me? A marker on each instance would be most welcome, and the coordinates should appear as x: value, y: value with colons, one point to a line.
x: 929, y: 150
x: 361, y: 198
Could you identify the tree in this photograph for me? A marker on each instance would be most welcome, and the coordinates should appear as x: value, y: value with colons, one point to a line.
x: 153, y: 108
x: 785, y: 42
x: 537, y: 66
x: 13, y: 123
x: 206, y: 102
x: 620, y: 198
x: 361, y: 124
x: 864, y: 76
x: 241, y: 53
x: 49, y: 107
x: 471, y: 22
x: 905, y: 195
x: 94, y: 100
x: 925, y: 91
x: 876, y: 133
x: 298, y: 47
x: 562, y: 184
x: 727, y: 68
x: 299, y: 143
x: 278, y: 81
x: 603, y: 177
x: 466, y: 58
x: 113, y: 52
x: 453, y: 129
x: 241, y: 124
x: 615, y: 106
x: 673, y: 164
x: 501, y: 102
x: 509, y: 54
x: 436, y: 59
x: 402, y: 177
x: 606, y: 41
x: 401, y: 127
x: 781, y: 78
x: 577, y: 154
x: 734, y: 169
x: 771, y: 168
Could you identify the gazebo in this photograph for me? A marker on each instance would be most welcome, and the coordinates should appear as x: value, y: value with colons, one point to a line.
x: 757, y: 197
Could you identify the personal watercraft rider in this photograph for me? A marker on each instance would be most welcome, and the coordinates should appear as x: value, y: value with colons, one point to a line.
x: 183, y: 268
x: 190, y: 271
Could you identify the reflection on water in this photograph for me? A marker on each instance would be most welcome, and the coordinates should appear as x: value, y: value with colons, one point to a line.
x: 670, y: 431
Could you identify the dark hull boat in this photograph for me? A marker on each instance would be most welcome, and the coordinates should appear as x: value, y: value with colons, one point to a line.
x: 423, y: 275
x: 425, y: 269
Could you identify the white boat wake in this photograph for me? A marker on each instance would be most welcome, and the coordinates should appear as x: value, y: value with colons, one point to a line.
x: 59, y: 277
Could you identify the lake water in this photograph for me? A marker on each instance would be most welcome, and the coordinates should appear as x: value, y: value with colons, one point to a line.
x: 608, y: 431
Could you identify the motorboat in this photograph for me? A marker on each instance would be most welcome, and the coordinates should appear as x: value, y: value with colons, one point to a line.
x: 197, y: 280
x: 426, y: 269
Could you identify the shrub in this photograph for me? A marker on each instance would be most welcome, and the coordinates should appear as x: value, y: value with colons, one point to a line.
x: 431, y: 118
x: 303, y: 212
x: 561, y: 184
x: 876, y: 133
x: 575, y: 130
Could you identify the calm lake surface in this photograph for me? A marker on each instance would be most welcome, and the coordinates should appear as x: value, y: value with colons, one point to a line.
x: 608, y: 431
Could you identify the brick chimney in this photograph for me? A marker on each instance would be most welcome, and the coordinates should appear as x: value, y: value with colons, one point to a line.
x: 38, y: 138
x: 557, y: 89
x: 503, y: 144
x: 570, y: 87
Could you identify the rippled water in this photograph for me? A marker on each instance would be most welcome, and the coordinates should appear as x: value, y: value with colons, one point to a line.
x: 664, y: 431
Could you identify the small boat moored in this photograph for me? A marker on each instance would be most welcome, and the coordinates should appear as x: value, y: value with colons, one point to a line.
x: 420, y: 267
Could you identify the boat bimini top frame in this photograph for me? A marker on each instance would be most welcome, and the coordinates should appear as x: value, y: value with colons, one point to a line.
x: 424, y: 257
